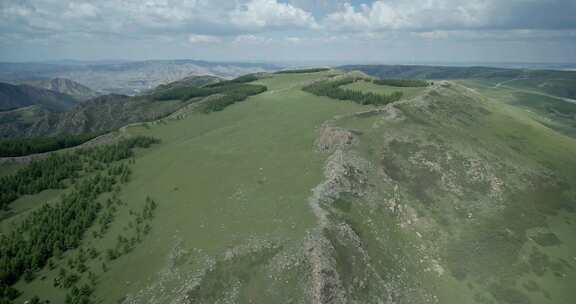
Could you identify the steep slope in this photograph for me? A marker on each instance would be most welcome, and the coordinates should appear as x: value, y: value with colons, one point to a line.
x: 65, y: 86
x: 103, y: 113
x: 16, y: 123
x: 18, y: 96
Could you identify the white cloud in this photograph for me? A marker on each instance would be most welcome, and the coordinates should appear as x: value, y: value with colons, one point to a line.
x: 434, y: 35
x: 16, y: 9
x: 203, y: 39
x: 251, y: 39
x: 411, y: 15
x: 258, y: 22
x: 81, y: 10
x: 257, y: 14
x: 294, y: 40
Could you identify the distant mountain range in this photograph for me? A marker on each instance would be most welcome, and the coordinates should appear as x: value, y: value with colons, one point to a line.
x: 128, y: 78
x: 65, y: 86
x: 44, y: 112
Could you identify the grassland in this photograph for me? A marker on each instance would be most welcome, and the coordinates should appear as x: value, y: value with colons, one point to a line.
x: 222, y: 180
x: 444, y: 197
x: 482, y: 188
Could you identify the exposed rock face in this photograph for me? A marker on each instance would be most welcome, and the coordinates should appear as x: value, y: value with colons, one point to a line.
x: 344, y: 172
x: 326, y: 286
x: 332, y: 138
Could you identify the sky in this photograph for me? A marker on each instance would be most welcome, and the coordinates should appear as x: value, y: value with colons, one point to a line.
x: 377, y: 31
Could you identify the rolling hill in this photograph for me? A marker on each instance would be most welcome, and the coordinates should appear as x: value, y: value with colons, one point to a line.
x: 445, y: 195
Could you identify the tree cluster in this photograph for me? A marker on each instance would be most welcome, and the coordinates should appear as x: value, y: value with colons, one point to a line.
x: 52, y: 229
x: 139, y: 228
x: 11, y: 147
x: 55, y: 228
x: 228, y: 87
x: 332, y: 89
x: 303, y: 71
x: 241, y: 79
x: 231, y: 97
x: 405, y: 83
x: 51, y: 172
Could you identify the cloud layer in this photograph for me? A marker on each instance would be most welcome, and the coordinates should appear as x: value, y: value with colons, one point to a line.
x: 454, y: 15
x: 265, y: 22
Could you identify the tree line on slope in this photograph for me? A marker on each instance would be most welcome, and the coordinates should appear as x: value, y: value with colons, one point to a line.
x: 53, y: 171
x: 303, y: 71
x: 236, y: 87
x: 332, y: 89
x: 404, y: 83
x: 12, y: 147
x: 231, y: 97
x: 54, y: 228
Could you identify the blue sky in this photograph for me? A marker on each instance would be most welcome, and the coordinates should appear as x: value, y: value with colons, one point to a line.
x: 290, y: 30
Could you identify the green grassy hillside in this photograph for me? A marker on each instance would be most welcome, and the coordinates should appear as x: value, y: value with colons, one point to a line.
x: 553, y: 111
x: 446, y: 196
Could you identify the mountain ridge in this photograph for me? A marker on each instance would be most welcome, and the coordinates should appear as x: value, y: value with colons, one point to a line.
x: 23, y: 95
x: 65, y: 86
